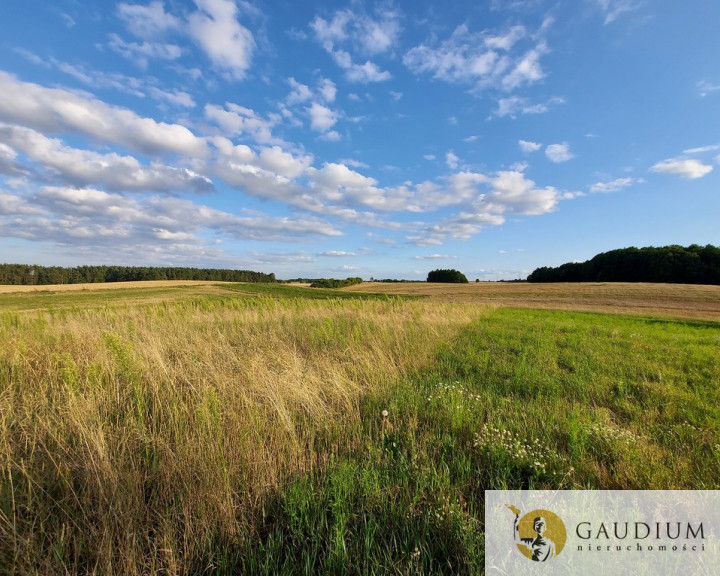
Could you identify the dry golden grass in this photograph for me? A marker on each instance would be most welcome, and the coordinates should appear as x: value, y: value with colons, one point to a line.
x: 130, y: 437
x: 674, y: 300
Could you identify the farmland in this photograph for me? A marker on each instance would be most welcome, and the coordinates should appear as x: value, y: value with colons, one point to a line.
x: 238, y: 428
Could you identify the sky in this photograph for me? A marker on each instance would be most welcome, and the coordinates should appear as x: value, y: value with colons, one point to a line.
x: 374, y: 139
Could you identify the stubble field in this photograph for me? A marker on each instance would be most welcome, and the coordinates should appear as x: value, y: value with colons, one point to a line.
x: 222, y: 429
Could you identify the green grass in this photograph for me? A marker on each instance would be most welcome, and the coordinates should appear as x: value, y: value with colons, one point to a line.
x: 293, y: 291
x: 90, y: 298
x: 521, y: 400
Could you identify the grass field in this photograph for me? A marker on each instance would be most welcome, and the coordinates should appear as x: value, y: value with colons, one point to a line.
x: 222, y: 429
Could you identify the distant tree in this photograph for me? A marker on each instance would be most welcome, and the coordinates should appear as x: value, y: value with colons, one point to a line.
x: 24, y: 274
x: 672, y: 264
x: 448, y: 276
x: 335, y: 283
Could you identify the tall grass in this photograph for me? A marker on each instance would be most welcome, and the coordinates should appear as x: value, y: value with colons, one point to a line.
x: 146, y: 439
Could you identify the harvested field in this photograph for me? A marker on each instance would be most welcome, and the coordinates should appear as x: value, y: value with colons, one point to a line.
x: 674, y: 300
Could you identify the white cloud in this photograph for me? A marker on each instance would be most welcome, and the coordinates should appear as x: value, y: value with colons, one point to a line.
x: 527, y: 70
x: 362, y: 73
x: 87, y: 221
x: 280, y: 258
x: 147, y: 22
x: 331, y: 136
x: 300, y: 92
x: 434, y: 257
x: 527, y: 146
x: 328, y: 90
x: 613, y: 186
x: 705, y: 88
x: 359, y: 32
x: 176, y: 98
x: 513, y: 192
x: 612, y: 9
x: 322, y: 118
x: 702, y: 149
x: 481, y: 58
x: 452, y: 160
x: 337, y: 254
x: 370, y: 36
x: 59, y: 111
x: 215, y: 29
x: 237, y: 120
x: 515, y: 105
x: 687, y: 168
x: 558, y: 153
x: 140, y: 53
x: 88, y: 168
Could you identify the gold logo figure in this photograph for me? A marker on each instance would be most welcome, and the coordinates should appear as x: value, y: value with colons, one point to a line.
x: 539, y: 535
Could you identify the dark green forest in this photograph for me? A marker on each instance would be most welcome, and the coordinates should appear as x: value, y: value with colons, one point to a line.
x: 30, y: 275
x: 672, y: 264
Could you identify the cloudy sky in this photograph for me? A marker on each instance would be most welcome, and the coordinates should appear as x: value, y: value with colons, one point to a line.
x: 374, y: 139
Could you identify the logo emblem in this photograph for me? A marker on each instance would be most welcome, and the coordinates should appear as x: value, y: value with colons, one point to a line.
x: 539, y: 535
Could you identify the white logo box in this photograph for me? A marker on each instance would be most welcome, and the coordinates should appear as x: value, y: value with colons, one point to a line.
x: 606, y: 532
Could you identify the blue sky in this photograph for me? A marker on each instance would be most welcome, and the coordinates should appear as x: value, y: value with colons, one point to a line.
x: 373, y: 139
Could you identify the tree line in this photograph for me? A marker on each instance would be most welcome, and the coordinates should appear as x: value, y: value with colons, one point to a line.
x: 671, y: 264
x: 29, y: 275
x: 335, y: 283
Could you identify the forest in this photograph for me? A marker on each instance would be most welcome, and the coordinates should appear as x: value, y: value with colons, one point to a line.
x: 669, y: 264
x: 30, y: 275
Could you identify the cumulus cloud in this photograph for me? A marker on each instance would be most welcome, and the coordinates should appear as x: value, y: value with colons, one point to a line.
x: 513, y: 192
x: 434, y: 257
x: 483, y: 59
x: 558, y: 153
x: 59, y: 111
x: 685, y: 167
x: 349, y: 32
x: 145, y: 227
x: 328, y: 90
x: 147, y: 21
x: 337, y: 254
x: 176, y: 97
x: 452, y: 160
x: 362, y: 32
x: 236, y: 120
x: 141, y: 53
x: 300, y: 92
x: 613, y: 185
x: 527, y: 146
x: 322, y: 118
x: 514, y: 106
x: 85, y: 167
x: 216, y: 30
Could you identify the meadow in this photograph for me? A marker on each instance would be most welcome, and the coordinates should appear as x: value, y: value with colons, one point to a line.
x: 273, y: 429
